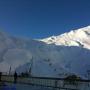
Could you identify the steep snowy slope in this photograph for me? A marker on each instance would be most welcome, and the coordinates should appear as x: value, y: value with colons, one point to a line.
x: 55, y: 56
x: 18, y: 53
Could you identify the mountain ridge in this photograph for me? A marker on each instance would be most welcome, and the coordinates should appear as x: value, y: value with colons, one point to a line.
x: 49, y: 60
x: 79, y: 37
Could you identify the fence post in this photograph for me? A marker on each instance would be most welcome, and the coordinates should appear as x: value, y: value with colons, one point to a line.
x: 55, y: 85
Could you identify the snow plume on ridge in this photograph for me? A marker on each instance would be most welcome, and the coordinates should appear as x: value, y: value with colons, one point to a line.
x: 17, y: 57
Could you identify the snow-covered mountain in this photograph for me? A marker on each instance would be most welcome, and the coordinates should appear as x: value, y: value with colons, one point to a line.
x: 80, y: 37
x: 55, y: 56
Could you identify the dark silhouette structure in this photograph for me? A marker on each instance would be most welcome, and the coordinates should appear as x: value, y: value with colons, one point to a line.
x: 0, y: 75
x: 15, y: 77
x: 71, y: 80
x: 31, y: 66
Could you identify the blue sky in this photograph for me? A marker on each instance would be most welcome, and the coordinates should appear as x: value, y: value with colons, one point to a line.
x: 43, y: 18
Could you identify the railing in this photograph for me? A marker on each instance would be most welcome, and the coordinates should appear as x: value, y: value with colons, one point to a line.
x: 55, y: 83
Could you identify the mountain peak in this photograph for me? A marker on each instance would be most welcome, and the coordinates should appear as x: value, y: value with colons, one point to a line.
x: 79, y: 37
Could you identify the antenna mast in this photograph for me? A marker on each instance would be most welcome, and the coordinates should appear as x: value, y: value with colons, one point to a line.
x: 10, y: 70
x: 31, y: 65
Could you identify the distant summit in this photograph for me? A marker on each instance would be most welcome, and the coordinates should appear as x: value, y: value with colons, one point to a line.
x: 79, y: 37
